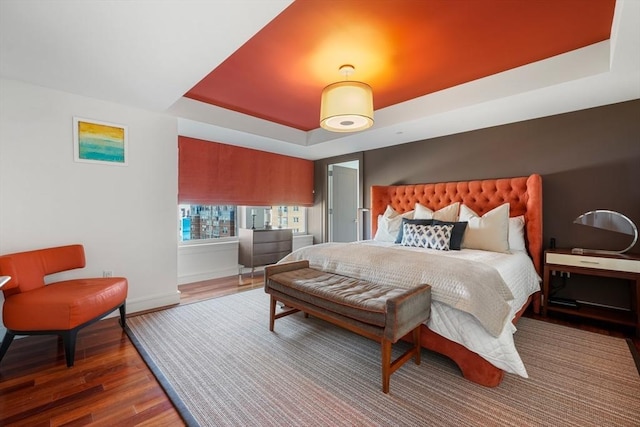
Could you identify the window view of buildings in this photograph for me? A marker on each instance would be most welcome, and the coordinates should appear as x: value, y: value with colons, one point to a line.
x: 198, y: 222
x: 206, y: 221
x: 293, y: 217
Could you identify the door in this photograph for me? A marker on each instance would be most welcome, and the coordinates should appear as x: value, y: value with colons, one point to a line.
x: 343, y: 203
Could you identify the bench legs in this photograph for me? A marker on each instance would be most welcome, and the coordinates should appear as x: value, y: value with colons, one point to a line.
x: 272, y: 312
x: 389, y: 367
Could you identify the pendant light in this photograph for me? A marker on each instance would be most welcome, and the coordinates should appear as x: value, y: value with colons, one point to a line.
x: 346, y: 106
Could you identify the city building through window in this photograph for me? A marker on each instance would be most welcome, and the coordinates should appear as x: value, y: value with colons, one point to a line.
x: 202, y: 222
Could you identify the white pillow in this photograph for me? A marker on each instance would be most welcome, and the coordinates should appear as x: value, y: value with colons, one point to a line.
x: 516, y: 234
x: 489, y: 232
x: 389, y: 225
x: 448, y: 213
x: 427, y: 236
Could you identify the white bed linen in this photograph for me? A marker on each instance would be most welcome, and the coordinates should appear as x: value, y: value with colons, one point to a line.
x: 518, y: 273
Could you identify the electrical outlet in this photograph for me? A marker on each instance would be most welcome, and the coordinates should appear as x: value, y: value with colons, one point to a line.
x: 107, y: 273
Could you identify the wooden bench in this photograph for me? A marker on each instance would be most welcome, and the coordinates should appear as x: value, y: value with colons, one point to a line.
x: 382, y: 313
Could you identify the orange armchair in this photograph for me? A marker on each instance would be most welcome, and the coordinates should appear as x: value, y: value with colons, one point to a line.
x: 61, y: 308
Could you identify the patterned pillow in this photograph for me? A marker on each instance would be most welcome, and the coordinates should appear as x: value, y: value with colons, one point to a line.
x: 457, y: 234
x: 427, y: 236
x: 412, y: 221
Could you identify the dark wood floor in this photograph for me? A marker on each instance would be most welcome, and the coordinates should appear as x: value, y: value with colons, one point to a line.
x: 110, y: 383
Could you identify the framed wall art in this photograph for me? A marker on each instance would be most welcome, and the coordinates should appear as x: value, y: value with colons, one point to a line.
x: 100, y: 142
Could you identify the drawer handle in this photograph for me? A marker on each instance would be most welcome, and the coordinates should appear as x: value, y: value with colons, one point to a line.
x: 589, y: 262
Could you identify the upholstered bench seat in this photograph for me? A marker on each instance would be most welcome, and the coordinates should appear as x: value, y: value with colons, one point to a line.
x: 382, y: 313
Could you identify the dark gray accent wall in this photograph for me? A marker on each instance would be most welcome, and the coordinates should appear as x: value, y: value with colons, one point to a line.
x: 588, y: 160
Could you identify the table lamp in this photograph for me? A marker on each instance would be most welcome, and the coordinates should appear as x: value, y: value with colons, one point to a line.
x: 607, y: 220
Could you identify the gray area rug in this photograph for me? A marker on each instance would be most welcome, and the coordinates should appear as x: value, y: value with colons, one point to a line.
x: 222, y: 366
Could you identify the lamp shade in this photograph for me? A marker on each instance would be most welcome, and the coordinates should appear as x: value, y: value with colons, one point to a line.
x: 346, y: 107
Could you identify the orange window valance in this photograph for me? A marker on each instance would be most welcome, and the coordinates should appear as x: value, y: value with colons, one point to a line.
x: 215, y: 173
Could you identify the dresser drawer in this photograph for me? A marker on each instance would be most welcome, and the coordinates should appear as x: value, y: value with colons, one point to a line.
x: 270, y: 247
x: 267, y: 259
x: 599, y: 262
x: 263, y: 247
x: 271, y: 235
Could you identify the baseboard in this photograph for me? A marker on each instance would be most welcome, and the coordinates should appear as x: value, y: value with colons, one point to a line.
x: 135, y: 305
x: 200, y: 277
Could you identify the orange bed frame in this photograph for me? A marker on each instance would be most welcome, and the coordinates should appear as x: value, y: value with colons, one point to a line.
x: 524, y: 194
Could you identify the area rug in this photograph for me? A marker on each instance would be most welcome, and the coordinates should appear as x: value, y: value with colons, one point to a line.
x: 222, y: 367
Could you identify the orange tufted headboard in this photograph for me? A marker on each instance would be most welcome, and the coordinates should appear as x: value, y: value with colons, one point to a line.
x: 524, y: 194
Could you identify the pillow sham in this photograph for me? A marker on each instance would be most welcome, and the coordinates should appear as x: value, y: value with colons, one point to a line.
x: 389, y: 225
x: 516, y: 234
x: 457, y: 234
x: 411, y: 221
x: 427, y: 236
x: 448, y: 213
x: 489, y: 232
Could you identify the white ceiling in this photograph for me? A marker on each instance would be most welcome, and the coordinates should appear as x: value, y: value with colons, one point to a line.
x: 147, y: 54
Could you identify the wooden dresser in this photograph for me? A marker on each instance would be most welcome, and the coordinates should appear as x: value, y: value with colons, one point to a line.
x: 263, y: 247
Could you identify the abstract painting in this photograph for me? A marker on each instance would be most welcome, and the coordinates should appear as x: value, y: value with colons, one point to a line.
x: 100, y: 142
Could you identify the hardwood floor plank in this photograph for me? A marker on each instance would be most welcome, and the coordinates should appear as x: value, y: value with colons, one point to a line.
x: 40, y: 412
x: 78, y: 422
x: 110, y: 384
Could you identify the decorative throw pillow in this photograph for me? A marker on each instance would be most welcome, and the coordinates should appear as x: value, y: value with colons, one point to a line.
x: 427, y: 236
x: 457, y: 234
x: 448, y: 213
x: 389, y: 225
x: 516, y: 234
x: 489, y: 232
x: 411, y: 221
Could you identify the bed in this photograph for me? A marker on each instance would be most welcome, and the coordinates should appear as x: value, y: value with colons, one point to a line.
x: 480, y: 290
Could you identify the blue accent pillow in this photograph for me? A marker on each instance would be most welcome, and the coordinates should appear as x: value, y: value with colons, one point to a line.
x: 427, y: 236
x: 456, y: 235
x: 414, y: 221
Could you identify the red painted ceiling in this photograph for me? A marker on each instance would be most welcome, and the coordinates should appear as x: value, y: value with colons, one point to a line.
x: 402, y: 48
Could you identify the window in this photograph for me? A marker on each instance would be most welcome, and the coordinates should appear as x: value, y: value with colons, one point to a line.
x: 294, y: 217
x: 200, y: 222
x: 206, y: 221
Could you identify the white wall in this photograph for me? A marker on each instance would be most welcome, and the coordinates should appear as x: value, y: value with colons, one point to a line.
x: 204, y: 261
x: 124, y: 215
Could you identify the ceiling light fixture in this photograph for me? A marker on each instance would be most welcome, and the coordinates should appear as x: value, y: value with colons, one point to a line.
x: 346, y: 106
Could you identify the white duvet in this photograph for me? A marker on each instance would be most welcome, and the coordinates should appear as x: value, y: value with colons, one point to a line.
x: 517, y: 280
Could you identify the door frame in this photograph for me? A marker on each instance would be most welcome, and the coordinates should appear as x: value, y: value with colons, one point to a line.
x: 354, y: 167
x: 324, y: 170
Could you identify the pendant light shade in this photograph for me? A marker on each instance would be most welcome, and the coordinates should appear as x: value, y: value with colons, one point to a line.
x: 346, y: 106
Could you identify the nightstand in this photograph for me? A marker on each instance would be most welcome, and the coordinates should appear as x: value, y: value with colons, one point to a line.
x: 615, y: 266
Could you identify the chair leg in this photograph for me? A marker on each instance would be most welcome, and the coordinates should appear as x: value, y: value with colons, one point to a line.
x: 6, y: 342
x: 69, y: 340
x: 123, y: 312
